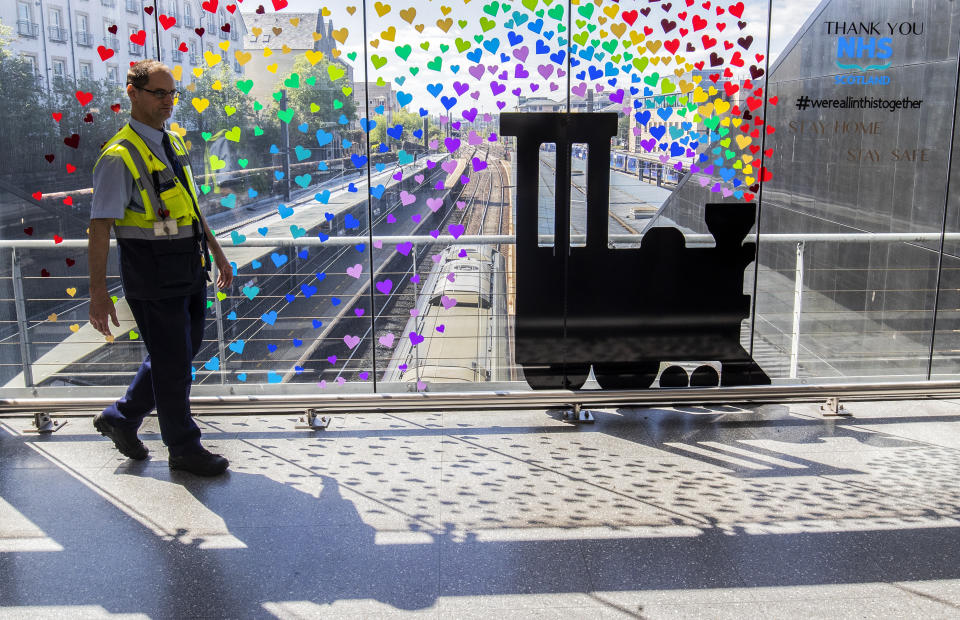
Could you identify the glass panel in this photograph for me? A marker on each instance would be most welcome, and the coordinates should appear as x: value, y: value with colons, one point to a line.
x: 291, y: 112
x: 441, y: 283
x: 864, y: 99
x: 284, y: 165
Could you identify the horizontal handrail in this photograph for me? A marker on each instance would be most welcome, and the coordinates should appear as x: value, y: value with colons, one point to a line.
x: 227, y: 404
x: 475, y: 239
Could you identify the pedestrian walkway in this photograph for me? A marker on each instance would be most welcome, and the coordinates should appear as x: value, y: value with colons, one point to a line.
x: 758, y: 511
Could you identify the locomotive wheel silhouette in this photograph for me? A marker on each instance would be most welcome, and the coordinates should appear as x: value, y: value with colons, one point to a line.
x: 705, y: 376
x: 557, y: 377
x: 638, y: 376
x: 674, y: 377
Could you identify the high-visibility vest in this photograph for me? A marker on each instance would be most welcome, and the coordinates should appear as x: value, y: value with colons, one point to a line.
x: 150, y: 175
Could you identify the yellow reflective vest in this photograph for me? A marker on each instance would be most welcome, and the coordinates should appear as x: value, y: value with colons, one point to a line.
x: 163, y: 195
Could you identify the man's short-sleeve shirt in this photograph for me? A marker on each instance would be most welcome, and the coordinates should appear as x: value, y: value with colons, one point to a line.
x: 113, y: 186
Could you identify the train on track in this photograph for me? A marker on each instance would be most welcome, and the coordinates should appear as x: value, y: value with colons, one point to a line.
x: 461, y: 316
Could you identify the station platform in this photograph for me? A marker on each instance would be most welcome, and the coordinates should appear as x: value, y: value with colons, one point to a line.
x: 770, y: 511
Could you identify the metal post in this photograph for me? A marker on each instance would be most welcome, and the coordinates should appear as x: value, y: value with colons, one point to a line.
x: 218, y: 309
x: 19, y: 301
x: 659, y: 175
x: 416, y: 351
x: 286, y: 148
x: 797, y: 311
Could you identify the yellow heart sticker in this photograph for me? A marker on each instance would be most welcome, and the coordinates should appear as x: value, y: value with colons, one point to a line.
x: 52, y: 318
x: 212, y: 59
x: 313, y: 56
x: 200, y: 104
x: 71, y: 291
x: 75, y: 328
x: 242, y: 57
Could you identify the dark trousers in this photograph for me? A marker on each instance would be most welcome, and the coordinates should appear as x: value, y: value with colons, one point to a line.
x: 172, y: 330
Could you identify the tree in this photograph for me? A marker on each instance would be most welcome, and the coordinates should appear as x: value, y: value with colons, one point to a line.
x: 411, y: 122
x: 30, y: 128
x: 314, y: 96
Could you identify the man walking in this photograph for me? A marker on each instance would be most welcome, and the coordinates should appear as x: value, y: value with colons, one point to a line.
x: 143, y: 188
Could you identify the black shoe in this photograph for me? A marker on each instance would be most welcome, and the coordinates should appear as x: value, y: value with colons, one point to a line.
x: 126, y: 441
x: 202, y: 463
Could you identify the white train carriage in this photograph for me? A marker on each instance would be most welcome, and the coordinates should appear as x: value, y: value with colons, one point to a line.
x: 465, y: 274
x: 462, y: 340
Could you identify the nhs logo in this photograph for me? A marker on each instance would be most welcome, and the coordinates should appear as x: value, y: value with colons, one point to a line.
x: 864, y: 48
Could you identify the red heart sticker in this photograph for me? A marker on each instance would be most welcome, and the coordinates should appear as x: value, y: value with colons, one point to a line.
x: 105, y: 52
x: 57, y: 116
x: 113, y: 29
x: 183, y: 47
x: 57, y: 239
x: 167, y: 21
x: 44, y: 273
x: 148, y: 10
x: 28, y: 230
x: 36, y: 196
x: 49, y: 157
x: 209, y: 6
x: 115, y: 107
x: 71, y: 168
x: 88, y: 118
x: 73, y: 141
x: 69, y: 202
x: 71, y: 262
x: 139, y: 37
x: 199, y: 31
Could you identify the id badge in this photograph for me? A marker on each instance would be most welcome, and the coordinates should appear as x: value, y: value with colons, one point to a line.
x: 165, y: 228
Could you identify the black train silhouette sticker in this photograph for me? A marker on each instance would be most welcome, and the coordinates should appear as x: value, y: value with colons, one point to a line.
x: 623, y: 311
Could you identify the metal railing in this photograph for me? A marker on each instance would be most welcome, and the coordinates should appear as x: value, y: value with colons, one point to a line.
x: 799, y: 241
x: 188, y: 21
x: 176, y: 55
x: 134, y: 6
x: 134, y: 49
x: 112, y: 42
x: 223, y: 34
x: 28, y: 29
x: 195, y: 58
x: 57, y: 34
x: 84, y: 39
x: 108, y: 3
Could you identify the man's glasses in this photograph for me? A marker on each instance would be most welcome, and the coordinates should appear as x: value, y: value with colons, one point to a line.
x: 160, y: 93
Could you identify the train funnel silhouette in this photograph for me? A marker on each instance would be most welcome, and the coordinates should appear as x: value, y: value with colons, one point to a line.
x: 623, y: 311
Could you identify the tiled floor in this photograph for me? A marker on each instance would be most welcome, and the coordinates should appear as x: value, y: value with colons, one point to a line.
x: 760, y: 512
